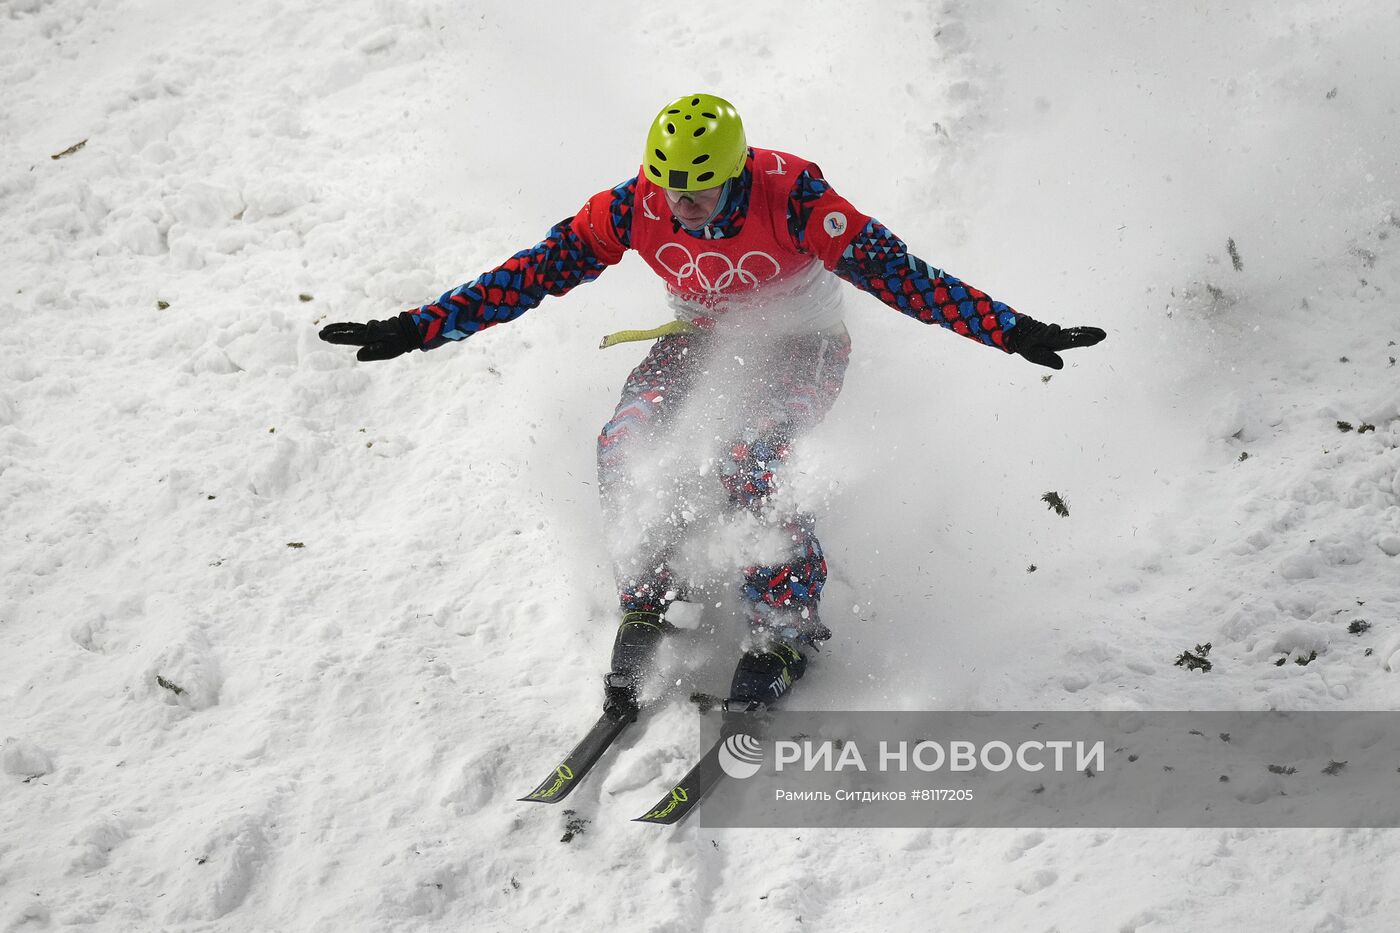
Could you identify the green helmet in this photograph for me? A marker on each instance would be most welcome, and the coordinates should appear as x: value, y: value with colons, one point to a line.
x: 695, y: 142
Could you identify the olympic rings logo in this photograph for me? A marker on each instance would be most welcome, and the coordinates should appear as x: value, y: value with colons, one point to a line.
x: 715, y: 273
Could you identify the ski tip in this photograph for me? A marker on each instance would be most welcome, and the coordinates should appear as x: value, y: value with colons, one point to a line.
x: 672, y: 808
x: 549, y: 792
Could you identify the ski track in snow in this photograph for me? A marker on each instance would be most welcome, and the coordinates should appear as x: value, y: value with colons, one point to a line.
x: 283, y: 636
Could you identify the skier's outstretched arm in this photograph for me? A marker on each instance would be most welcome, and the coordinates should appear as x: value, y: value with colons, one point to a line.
x: 576, y: 250
x: 877, y: 261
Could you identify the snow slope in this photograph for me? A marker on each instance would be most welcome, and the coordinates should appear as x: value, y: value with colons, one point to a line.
x: 377, y: 587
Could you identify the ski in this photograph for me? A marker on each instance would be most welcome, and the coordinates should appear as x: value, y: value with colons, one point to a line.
x: 685, y: 797
x: 569, y: 772
x: 764, y: 673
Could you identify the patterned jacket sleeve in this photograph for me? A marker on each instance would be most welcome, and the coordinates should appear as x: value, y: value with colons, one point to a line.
x: 876, y: 261
x: 576, y: 250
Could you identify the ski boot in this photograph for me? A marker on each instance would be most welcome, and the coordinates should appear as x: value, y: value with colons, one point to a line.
x: 637, y: 638
x: 763, y: 675
x: 766, y: 672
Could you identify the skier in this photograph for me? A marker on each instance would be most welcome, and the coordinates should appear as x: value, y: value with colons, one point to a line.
x: 750, y: 243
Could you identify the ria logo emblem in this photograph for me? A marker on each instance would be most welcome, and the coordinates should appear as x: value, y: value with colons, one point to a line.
x: 714, y: 273
x: 740, y: 756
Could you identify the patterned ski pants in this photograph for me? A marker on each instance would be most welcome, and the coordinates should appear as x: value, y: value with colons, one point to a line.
x: 702, y: 408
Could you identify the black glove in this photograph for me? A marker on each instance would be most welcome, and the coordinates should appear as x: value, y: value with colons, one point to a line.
x: 1039, y: 342
x: 377, y: 340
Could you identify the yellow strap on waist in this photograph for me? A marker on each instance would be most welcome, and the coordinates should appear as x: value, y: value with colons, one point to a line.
x: 665, y: 330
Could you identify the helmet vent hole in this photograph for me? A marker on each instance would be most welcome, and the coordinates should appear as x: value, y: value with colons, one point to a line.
x: 704, y: 176
x: 699, y: 132
x: 673, y: 110
x: 671, y: 128
x: 695, y: 102
x: 661, y: 156
x: 654, y: 170
x: 710, y: 115
x: 700, y: 158
x: 690, y: 116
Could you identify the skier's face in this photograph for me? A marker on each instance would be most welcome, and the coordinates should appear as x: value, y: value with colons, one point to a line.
x: 693, y: 208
